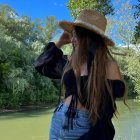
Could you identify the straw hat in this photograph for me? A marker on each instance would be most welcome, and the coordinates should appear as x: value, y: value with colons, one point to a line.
x: 91, y: 20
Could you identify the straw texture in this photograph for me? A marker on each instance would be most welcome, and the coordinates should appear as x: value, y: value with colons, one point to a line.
x: 91, y: 20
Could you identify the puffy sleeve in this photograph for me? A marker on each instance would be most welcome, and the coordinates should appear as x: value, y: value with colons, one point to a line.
x: 51, y: 62
x: 118, y: 88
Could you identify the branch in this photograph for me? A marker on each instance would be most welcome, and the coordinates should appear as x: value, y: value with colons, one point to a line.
x: 116, y: 53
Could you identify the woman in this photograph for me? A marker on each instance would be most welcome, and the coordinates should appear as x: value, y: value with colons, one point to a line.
x: 91, y: 78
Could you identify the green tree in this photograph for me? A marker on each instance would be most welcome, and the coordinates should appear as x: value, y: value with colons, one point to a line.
x: 122, y: 23
x: 121, y: 28
x: 128, y: 61
x: 137, y: 27
x: 21, y: 41
x: 104, y: 6
x: 22, y: 29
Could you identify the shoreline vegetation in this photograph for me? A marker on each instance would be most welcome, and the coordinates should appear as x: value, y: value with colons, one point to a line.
x: 48, y: 106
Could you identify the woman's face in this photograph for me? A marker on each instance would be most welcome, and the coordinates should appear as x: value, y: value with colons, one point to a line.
x: 74, y: 39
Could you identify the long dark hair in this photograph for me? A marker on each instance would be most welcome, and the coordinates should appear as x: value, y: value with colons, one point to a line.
x: 97, y: 80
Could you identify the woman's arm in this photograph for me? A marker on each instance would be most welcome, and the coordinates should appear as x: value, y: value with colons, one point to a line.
x: 113, y: 71
x: 115, y: 79
x: 51, y: 61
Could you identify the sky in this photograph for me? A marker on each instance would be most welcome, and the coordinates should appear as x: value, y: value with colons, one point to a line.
x: 42, y: 8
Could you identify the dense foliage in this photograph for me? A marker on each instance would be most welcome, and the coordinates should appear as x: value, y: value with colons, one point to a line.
x: 128, y: 60
x: 137, y: 16
x: 101, y: 5
x: 22, y: 40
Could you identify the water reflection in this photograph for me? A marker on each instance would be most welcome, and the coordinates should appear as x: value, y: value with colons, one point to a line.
x: 127, y: 125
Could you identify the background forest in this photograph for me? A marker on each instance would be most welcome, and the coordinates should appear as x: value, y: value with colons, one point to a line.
x: 22, y: 40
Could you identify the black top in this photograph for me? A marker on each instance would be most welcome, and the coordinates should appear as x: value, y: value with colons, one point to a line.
x: 70, y: 83
x: 51, y: 64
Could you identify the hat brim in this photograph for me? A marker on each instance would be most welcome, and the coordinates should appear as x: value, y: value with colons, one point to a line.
x: 69, y: 26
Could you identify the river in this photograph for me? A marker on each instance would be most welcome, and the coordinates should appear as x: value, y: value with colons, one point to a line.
x: 34, y: 125
x: 128, y: 123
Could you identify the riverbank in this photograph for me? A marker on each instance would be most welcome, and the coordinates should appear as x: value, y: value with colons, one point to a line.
x: 30, y: 108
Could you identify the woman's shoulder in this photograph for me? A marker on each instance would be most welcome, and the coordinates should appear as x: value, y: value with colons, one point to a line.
x: 113, y: 70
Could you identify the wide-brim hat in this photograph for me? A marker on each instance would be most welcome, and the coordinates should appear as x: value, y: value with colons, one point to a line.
x: 91, y: 20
